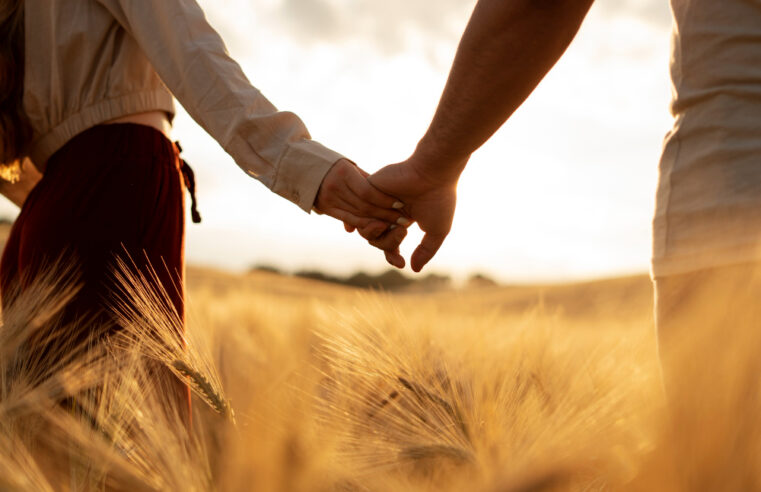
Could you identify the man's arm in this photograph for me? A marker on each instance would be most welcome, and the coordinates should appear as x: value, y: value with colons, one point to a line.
x: 506, y: 50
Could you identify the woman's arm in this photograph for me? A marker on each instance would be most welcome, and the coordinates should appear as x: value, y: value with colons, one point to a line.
x: 270, y: 145
x: 506, y: 50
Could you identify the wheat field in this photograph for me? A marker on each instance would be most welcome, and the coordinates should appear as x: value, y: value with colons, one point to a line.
x: 304, y: 386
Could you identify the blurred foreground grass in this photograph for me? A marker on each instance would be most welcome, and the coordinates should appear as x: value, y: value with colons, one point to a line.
x: 521, y: 388
x: 496, y: 388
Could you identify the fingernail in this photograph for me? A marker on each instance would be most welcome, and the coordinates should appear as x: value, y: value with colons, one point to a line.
x: 397, y: 205
x: 392, y: 227
x: 403, y: 221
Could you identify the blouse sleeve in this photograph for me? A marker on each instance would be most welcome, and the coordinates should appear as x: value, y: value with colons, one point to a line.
x: 190, y: 57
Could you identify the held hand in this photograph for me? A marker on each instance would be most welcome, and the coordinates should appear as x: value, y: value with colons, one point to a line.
x: 428, y: 201
x: 346, y: 195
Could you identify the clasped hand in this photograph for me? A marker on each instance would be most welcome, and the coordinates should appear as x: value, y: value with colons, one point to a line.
x: 381, y: 207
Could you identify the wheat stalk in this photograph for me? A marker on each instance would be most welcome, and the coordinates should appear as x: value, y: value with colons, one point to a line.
x: 205, y: 389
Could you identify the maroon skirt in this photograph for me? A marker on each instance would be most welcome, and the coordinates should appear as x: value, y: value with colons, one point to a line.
x: 113, y: 191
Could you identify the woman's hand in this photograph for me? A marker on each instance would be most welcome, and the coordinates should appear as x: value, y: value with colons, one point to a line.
x: 346, y: 195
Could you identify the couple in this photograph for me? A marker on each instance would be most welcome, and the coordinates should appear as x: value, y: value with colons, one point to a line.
x: 87, y: 92
x: 87, y: 95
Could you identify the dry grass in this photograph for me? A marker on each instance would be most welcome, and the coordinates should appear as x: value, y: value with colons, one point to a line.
x: 334, y: 389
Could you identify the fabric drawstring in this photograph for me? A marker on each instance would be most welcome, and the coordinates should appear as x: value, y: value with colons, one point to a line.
x: 190, y: 184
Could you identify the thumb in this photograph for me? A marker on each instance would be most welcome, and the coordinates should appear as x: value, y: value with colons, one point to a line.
x: 426, y: 250
x: 388, y: 177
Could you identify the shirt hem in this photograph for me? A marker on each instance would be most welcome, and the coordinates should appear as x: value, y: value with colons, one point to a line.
x: 664, y: 267
x: 139, y: 102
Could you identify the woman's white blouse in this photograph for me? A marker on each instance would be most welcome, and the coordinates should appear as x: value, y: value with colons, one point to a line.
x: 90, y: 61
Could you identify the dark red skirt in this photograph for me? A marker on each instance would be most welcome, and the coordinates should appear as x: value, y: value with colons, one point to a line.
x: 113, y: 191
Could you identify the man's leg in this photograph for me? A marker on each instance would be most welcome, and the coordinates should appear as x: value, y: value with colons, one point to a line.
x: 709, y: 335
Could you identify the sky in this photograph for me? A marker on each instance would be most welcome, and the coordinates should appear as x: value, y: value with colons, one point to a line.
x: 563, y: 191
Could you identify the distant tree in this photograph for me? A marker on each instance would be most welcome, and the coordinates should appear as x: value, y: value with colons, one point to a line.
x: 435, y: 281
x: 393, y: 279
x: 317, y: 275
x: 360, y: 279
x: 266, y: 268
x: 481, y: 280
x: 388, y: 280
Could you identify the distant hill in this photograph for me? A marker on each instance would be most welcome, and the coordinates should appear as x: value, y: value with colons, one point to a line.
x: 390, y: 280
x: 619, y: 297
x: 616, y: 297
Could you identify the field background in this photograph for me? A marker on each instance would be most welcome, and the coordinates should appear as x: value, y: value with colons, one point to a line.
x: 551, y: 386
x: 509, y: 388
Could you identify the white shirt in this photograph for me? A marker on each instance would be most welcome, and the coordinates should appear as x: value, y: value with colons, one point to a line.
x: 91, y: 61
x: 708, y: 204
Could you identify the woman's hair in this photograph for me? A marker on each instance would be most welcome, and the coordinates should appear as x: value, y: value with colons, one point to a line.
x: 15, y: 130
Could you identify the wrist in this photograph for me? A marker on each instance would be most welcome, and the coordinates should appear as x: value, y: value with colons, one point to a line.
x: 435, y: 167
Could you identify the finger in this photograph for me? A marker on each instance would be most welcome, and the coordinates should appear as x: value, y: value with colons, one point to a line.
x: 349, y: 219
x: 390, y: 246
x: 391, y: 240
x: 374, y: 230
x: 372, y: 195
x: 426, y: 250
x: 394, y: 258
x: 349, y: 228
x: 362, y: 208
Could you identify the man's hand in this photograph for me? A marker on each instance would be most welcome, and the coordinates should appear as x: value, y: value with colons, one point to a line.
x: 429, y: 201
x: 346, y: 195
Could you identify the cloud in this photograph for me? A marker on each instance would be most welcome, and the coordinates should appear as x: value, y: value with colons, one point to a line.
x: 312, y: 19
x: 386, y: 27
x: 654, y: 12
x: 389, y: 24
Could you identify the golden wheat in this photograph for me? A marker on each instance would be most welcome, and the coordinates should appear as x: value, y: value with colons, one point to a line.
x: 349, y: 391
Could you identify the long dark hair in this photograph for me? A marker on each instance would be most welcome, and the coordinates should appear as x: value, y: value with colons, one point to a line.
x: 15, y: 130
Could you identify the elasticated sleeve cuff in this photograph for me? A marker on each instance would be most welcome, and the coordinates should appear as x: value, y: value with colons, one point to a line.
x: 301, y: 170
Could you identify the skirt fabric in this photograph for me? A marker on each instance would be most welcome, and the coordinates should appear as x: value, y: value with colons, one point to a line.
x: 113, y: 192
